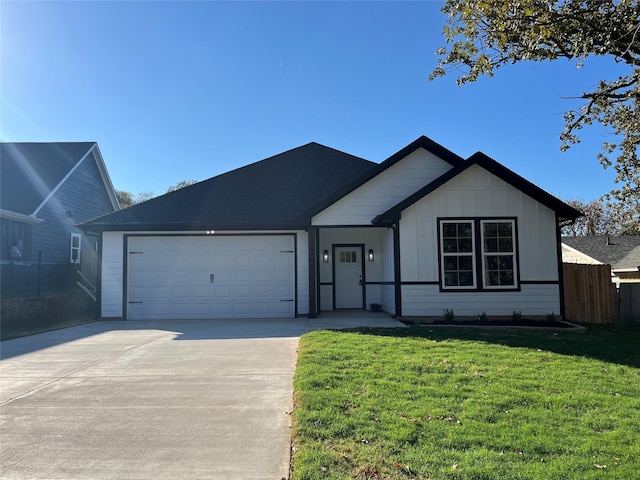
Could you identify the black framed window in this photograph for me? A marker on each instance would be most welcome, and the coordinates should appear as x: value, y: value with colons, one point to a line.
x: 498, y: 254
x: 478, y: 254
x: 458, y: 254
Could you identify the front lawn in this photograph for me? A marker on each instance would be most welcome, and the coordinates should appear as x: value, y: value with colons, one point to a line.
x: 445, y: 403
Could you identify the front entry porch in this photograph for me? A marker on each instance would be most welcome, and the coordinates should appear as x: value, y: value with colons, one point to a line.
x: 354, y: 267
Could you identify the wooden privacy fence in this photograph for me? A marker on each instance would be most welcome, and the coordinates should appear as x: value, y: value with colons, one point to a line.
x: 589, y: 295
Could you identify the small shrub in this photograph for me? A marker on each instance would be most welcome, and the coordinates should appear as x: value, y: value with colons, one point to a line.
x: 551, y: 317
x: 483, y: 316
x: 448, y: 315
x: 516, y: 315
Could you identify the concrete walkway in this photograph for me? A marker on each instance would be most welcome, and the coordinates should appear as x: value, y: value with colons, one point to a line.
x: 154, y: 399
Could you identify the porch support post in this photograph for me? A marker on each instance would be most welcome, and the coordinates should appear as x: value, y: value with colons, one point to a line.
x: 396, y: 269
x: 313, y: 272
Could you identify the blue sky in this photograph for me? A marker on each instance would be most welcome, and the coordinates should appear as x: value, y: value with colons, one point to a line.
x: 174, y: 91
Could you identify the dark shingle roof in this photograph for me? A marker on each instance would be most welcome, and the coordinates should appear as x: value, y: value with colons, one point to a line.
x: 619, y: 252
x: 30, y: 171
x: 271, y: 193
x: 563, y: 211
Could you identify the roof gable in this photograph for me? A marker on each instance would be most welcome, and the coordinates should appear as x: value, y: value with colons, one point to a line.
x: 563, y: 211
x: 271, y: 193
x: 31, y: 172
x: 617, y: 251
x: 422, y: 142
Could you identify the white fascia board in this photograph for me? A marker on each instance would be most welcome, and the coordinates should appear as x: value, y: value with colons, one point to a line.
x: 626, y: 270
x: 105, y: 177
x: 20, y: 217
x: 57, y: 187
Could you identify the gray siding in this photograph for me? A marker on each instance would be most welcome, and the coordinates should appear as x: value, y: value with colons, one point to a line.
x: 82, y: 197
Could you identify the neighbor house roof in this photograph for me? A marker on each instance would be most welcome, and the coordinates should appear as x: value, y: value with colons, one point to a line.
x: 30, y: 173
x: 563, y: 211
x: 271, y: 193
x: 621, y: 252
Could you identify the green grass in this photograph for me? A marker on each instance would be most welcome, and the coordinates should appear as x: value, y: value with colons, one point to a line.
x: 429, y: 403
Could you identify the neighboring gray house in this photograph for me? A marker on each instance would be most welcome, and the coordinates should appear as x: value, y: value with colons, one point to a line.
x: 621, y: 252
x: 314, y: 229
x: 46, y: 189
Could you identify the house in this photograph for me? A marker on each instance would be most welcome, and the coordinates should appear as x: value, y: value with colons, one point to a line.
x: 46, y: 189
x: 621, y: 252
x: 314, y: 229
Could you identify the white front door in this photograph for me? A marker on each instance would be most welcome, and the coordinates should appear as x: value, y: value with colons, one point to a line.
x: 348, y: 276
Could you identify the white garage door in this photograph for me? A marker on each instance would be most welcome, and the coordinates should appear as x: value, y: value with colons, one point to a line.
x: 210, y: 277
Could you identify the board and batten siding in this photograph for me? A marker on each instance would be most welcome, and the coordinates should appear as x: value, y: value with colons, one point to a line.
x: 113, y: 270
x: 387, y: 288
x: 476, y: 193
x: 385, y: 190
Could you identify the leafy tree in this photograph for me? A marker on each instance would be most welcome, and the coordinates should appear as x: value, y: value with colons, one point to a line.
x: 485, y: 35
x: 597, y: 219
x: 182, y: 184
x: 127, y: 199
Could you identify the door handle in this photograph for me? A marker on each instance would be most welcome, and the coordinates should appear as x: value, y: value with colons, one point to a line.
x: 360, y: 280
x: 212, y: 278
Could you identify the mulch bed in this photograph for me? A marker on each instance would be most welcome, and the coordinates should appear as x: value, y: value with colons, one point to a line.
x: 523, y: 322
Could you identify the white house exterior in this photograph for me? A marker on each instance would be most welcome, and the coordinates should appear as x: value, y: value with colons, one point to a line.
x: 422, y: 232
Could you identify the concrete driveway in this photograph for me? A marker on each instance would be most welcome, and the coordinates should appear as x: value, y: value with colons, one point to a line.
x: 153, y: 399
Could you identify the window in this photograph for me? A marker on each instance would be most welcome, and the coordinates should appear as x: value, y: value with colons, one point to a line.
x: 348, y: 257
x: 498, y: 254
x: 76, y: 243
x: 462, y: 241
x: 458, y: 255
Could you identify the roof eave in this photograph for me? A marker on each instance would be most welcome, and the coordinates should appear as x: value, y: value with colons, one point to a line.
x: 20, y: 217
x: 187, y: 227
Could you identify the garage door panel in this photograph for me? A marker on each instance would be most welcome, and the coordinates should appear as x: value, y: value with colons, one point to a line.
x: 202, y: 292
x: 180, y: 277
x: 241, y: 292
x: 161, y: 292
x: 169, y: 277
x: 264, y: 291
x: 262, y: 276
x: 243, y: 276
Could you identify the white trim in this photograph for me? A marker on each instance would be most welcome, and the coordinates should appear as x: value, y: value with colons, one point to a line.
x: 626, y: 270
x: 57, y: 187
x: 102, y: 168
x: 78, y: 248
x: 20, y: 217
